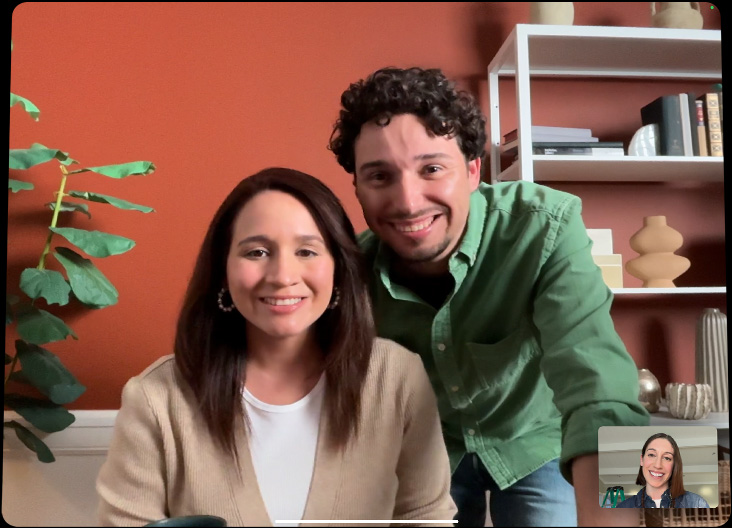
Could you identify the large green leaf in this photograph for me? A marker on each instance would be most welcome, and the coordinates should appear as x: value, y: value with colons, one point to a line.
x: 31, y: 441
x: 70, y: 207
x: 29, y: 107
x: 134, y: 168
x: 42, y: 414
x: 111, y: 200
x: 18, y: 377
x: 39, y: 327
x: 37, y: 154
x: 46, y: 373
x: 17, y: 185
x: 89, y: 285
x: 48, y: 284
x: 95, y: 243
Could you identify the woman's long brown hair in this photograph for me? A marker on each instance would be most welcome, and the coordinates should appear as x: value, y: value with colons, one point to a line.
x: 210, y: 344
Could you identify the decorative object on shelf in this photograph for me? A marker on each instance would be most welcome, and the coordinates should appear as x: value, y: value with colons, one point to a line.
x: 658, y: 265
x: 711, y: 356
x: 610, y: 264
x: 561, y: 13
x: 650, y: 390
x: 689, y: 401
x: 645, y: 141
x: 681, y: 15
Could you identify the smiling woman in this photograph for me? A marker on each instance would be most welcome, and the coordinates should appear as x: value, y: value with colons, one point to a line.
x: 661, y: 474
x: 278, y: 392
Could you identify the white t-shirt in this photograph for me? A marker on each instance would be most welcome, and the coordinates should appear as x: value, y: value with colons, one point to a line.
x: 283, y: 443
x: 658, y: 502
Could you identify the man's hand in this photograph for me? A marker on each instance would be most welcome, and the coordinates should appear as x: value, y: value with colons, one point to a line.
x: 586, y: 479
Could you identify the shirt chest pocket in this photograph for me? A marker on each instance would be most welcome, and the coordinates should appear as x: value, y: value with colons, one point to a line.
x: 502, y: 364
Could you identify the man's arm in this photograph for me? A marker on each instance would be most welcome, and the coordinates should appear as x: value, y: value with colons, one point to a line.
x: 585, y: 475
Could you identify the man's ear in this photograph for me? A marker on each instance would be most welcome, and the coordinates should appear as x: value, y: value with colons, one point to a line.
x: 474, y: 173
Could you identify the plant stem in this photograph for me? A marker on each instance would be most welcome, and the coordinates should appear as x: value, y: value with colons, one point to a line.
x: 12, y: 368
x: 56, y: 209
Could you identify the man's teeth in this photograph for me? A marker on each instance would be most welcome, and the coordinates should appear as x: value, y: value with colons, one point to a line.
x: 415, y: 227
x: 283, y: 302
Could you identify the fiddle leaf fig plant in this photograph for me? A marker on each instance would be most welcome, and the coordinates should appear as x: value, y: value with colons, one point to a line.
x: 30, y: 364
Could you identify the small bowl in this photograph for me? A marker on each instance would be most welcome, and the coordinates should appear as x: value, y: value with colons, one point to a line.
x: 191, y: 520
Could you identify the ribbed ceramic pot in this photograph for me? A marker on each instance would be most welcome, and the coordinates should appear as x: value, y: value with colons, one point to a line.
x: 650, y: 390
x: 711, y: 356
x: 689, y: 401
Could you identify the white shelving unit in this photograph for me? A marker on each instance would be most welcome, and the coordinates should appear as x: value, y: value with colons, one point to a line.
x: 537, y: 50
x: 596, y: 52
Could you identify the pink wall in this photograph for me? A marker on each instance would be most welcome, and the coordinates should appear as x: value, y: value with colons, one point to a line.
x: 214, y: 92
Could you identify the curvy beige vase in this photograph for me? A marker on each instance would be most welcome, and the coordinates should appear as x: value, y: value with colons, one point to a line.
x: 657, y: 266
x: 689, y: 401
x: 682, y: 15
x: 711, y: 356
x: 561, y: 13
x: 650, y: 390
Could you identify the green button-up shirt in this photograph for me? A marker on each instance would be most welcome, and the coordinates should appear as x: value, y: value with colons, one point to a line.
x: 523, y: 354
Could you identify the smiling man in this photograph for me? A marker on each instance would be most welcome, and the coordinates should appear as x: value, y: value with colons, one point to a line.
x: 495, y: 287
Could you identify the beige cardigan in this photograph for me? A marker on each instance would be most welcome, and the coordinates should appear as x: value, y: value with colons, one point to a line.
x: 163, y: 463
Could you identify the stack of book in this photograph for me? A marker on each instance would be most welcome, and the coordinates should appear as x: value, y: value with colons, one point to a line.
x: 687, y: 125
x: 610, y: 264
x: 546, y: 140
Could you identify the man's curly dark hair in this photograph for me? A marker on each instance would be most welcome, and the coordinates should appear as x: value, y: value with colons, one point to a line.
x: 426, y: 93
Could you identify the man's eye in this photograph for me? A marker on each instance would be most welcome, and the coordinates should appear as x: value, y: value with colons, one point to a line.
x: 431, y: 169
x: 376, y: 176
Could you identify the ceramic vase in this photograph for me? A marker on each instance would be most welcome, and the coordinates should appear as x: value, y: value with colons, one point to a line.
x: 650, y: 390
x: 711, y: 356
x: 689, y: 401
x: 682, y: 15
x: 658, y: 265
x: 561, y: 13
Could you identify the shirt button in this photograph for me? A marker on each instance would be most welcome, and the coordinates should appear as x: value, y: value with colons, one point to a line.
x: 441, y: 347
x: 471, y: 432
x: 455, y: 388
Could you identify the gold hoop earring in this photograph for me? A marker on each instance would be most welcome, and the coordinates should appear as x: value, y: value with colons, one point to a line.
x: 221, y: 301
x: 336, y: 298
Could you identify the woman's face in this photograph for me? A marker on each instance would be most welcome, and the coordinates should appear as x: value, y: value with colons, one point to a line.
x: 658, y: 463
x: 279, y: 270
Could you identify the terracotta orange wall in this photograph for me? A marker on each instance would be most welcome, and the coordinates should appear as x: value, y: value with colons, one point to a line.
x: 214, y: 92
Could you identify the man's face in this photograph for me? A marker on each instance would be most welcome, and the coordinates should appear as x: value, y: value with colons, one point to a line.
x: 414, y: 189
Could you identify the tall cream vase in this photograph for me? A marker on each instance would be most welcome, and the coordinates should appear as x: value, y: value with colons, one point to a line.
x: 561, y: 13
x: 711, y: 356
x: 681, y: 15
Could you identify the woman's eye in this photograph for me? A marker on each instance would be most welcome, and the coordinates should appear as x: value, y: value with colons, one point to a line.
x: 255, y: 253
x: 306, y: 253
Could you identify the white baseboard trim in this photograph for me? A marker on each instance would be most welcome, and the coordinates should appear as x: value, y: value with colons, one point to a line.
x: 90, y: 434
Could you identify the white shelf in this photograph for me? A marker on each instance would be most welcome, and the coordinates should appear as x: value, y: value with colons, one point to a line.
x: 720, y: 420
x: 558, y: 168
x: 598, y: 51
x: 668, y: 291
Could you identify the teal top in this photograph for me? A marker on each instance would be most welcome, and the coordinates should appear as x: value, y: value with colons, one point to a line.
x: 522, y: 354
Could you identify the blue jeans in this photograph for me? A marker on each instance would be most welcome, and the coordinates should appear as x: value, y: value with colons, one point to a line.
x: 542, y: 498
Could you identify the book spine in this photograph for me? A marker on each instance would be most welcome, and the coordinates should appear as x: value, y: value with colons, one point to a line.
x: 691, y: 109
x: 665, y: 111
x: 701, y: 128
x: 714, y: 124
x: 685, y: 124
x: 579, y: 151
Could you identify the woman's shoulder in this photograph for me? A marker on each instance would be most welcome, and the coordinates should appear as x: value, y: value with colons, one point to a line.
x: 386, y: 353
x: 632, y: 502
x: 692, y: 500
x: 159, y: 377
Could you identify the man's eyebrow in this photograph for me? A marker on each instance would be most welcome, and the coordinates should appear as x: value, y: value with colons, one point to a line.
x: 420, y: 157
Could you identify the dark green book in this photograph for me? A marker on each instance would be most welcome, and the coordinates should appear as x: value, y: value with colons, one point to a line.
x: 665, y: 112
